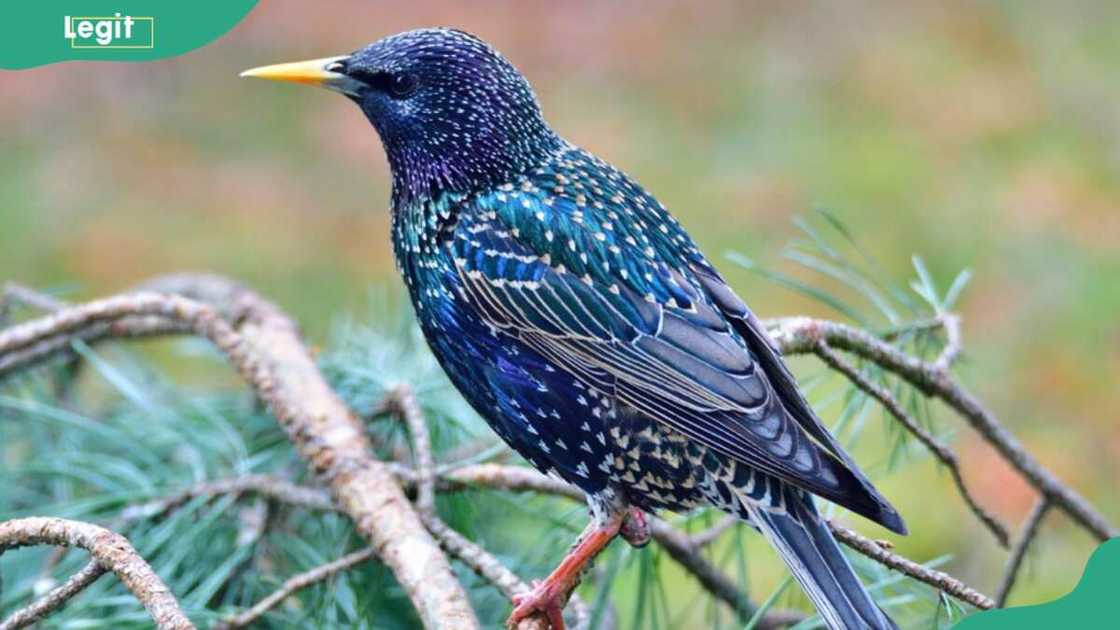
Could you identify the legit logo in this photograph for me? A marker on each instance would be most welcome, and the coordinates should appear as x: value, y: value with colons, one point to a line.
x: 116, y: 31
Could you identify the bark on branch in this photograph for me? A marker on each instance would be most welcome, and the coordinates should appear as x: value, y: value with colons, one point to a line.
x: 937, y: 579
x: 55, y: 599
x: 111, y: 552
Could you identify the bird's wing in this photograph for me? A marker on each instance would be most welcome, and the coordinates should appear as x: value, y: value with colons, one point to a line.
x: 769, y: 358
x: 621, y: 311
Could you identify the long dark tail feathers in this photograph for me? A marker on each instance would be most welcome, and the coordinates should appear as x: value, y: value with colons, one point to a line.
x: 806, y: 545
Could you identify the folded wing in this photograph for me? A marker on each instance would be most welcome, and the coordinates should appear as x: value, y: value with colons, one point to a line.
x: 694, y: 358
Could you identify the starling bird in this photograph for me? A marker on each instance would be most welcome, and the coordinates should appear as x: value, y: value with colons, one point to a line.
x: 582, y: 322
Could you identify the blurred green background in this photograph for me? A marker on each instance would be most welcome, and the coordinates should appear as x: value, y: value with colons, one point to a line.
x: 981, y: 135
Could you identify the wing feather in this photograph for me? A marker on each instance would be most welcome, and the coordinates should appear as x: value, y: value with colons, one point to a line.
x: 666, y: 338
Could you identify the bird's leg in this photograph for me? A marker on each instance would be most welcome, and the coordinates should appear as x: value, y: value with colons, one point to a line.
x: 635, y: 528
x: 550, y: 595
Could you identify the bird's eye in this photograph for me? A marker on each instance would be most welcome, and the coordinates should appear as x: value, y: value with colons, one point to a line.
x: 402, y: 85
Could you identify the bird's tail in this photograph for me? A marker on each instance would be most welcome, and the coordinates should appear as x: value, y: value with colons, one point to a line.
x: 806, y: 545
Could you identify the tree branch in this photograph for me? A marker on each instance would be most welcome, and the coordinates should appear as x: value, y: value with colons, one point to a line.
x: 939, y: 450
x: 682, y: 548
x: 937, y: 579
x: 401, y: 400
x: 294, y: 584
x: 486, y: 566
x: 520, y: 478
x: 478, y: 559
x: 55, y: 599
x: 13, y: 294
x: 687, y: 553
x: 1015, y: 561
x: 799, y: 335
x: 111, y: 551
x: 266, y: 350
x: 262, y: 485
x: 710, y: 535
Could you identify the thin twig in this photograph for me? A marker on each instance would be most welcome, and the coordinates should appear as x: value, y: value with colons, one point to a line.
x: 710, y: 535
x: 499, y: 476
x: 475, y: 451
x: 682, y: 549
x: 294, y: 584
x: 110, y: 550
x: 62, y: 343
x: 489, y: 568
x: 918, y: 326
x: 264, y: 485
x: 506, y: 477
x: 943, y: 453
x: 18, y: 294
x: 686, y: 551
x: 951, y: 322
x: 55, y: 599
x: 798, y: 335
x: 402, y: 401
x: 937, y: 579
x: 139, y: 314
x: 1015, y: 560
x: 484, y: 564
x: 14, y: 293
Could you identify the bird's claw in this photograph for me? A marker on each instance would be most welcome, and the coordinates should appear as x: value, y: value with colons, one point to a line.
x: 635, y: 528
x: 546, y: 597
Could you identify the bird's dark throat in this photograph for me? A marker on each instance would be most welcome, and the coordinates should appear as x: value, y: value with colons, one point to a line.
x: 422, y: 174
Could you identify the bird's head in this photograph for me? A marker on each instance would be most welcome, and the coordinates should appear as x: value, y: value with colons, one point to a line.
x: 453, y: 114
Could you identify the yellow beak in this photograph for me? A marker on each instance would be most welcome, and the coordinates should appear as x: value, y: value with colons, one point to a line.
x: 317, y: 72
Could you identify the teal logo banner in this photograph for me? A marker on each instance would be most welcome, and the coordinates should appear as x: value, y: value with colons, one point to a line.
x: 108, y: 30
x: 1091, y: 604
